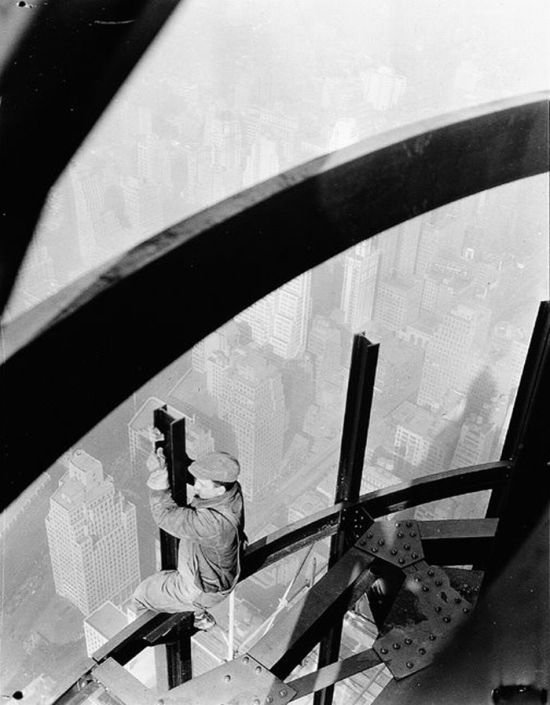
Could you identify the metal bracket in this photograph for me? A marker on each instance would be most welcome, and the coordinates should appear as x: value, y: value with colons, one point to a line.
x: 355, y: 521
x: 243, y: 681
x: 397, y: 542
x: 436, y: 609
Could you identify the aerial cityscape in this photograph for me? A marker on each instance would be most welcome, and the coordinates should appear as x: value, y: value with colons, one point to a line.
x: 450, y: 297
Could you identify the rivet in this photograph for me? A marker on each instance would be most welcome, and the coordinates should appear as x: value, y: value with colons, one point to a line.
x: 458, y: 600
x: 381, y: 542
x: 439, y: 583
x: 383, y: 651
x: 394, y: 552
x: 412, y: 534
x: 227, y: 678
x: 414, y: 555
x: 369, y: 535
x: 432, y: 637
x: 417, y: 578
x: 396, y: 646
x: 258, y: 669
x: 408, y: 641
x: 466, y: 610
x: 269, y: 699
x: 256, y: 701
x: 446, y: 619
x: 363, y: 543
x: 397, y: 524
x: 160, y: 701
x: 431, y: 573
x: 246, y: 659
x: 410, y: 664
x: 425, y: 588
x: 401, y: 561
x: 438, y: 608
x: 407, y: 546
x: 400, y: 534
x: 422, y: 650
x: 408, y: 524
x: 374, y: 549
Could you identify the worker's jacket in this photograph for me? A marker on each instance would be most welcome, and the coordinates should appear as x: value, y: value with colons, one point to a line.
x: 211, y: 533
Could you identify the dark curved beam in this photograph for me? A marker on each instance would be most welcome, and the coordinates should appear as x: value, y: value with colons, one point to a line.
x: 166, y: 294
x: 62, y: 62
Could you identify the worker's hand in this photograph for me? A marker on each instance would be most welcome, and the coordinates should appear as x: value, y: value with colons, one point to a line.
x: 158, y: 480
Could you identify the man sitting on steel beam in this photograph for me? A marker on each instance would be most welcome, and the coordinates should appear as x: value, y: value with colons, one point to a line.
x: 211, y: 533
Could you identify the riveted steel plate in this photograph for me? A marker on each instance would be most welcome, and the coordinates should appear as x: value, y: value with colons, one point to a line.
x: 356, y: 521
x: 397, y: 542
x: 425, y: 612
x: 243, y: 681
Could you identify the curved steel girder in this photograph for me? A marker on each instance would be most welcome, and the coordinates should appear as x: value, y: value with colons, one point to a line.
x: 62, y: 64
x: 166, y: 294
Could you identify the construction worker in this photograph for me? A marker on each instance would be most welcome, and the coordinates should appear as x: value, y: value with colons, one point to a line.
x: 211, y: 533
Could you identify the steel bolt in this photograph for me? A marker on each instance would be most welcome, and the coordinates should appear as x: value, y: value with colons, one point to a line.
x: 431, y: 573
x: 401, y: 561
x: 256, y: 701
x: 466, y: 610
x: 432, y: 637
x: 412, y: 534
x: 408, y: 641
x: 374, y: 549
x: 406, y: 546
x: 383, y: 651
x: 425, y: 588
x: 396, y: 646
x: 414, y: 555
x: 417, y: 578
x: 400, y: 534
x: 408, y: 524
x: 258, y: 669
x: 446, y: 619
x: 410, y: 664
x: 422, y: 650
x: 227, y: 678
x: 269, y: 699
x: 381, y: 542
x: 282, y: 693
x: 438, y: 608
x: 397, y: 524
x: 394, y: 552
x: 246, y: 659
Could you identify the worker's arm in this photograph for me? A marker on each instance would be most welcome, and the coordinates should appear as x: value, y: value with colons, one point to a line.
x: 180, y: 522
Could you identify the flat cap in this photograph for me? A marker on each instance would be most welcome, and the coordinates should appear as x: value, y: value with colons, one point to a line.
x: 221, y: 467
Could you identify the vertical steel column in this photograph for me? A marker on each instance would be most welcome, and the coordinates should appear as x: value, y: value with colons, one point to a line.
x: 364, y: 357
x: 178, y: 652
x: 527, y: 446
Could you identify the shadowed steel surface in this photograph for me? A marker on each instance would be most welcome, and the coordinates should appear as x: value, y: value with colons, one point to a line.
x: 121, y: 684
x: 364, y: 357
x: 250, y: 244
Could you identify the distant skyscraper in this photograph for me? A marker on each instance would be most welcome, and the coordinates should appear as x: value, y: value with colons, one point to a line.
x: 325, y: 344
x: 475, y: 442
x: 281, y: 318
x: 398, y: 302
x: 252, y: 401
x: 359, y: 288
x: 449, y: 354
x: 92, y: 537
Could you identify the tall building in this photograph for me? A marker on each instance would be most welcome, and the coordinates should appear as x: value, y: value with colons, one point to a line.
x: 449, y: 353
x: 398, y: 302
x: 92, y: 537
x: 325, y: 344
x: 475, y: 443
x: 359, y: 288
x: 281, y: 319
x: 252, y: 402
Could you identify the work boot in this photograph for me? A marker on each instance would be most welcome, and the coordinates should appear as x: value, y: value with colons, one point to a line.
x: 204, y: 621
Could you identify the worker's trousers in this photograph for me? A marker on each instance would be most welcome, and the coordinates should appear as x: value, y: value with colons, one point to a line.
x: 173, y: 591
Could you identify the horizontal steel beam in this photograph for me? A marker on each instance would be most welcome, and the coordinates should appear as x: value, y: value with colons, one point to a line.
x: 249, y: 245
